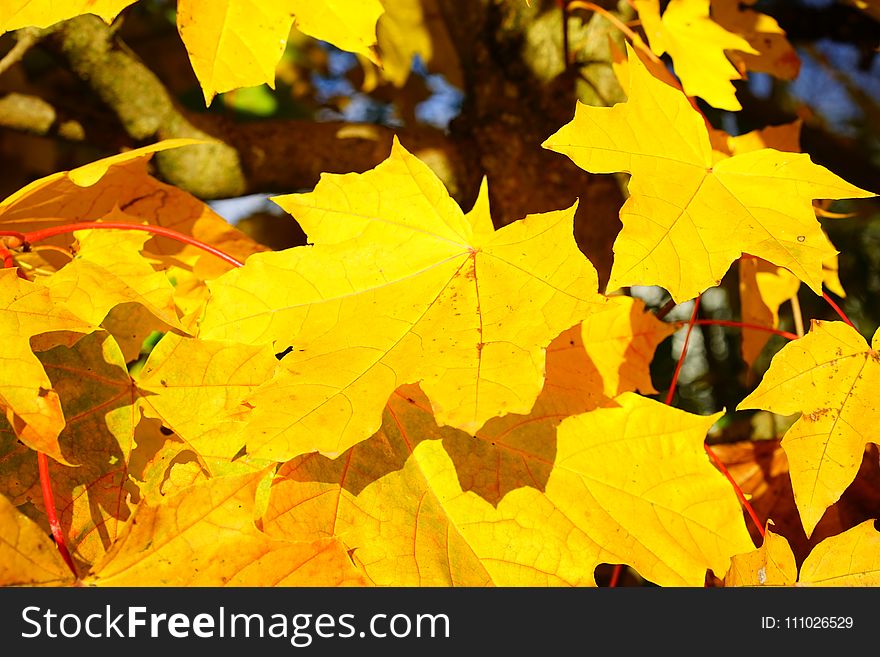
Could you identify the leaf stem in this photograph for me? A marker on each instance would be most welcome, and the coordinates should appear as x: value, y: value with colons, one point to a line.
x: 52, y: 513
x: 8, y: 260
x: 837, y: 309
x: 687, y: 336
x: 52, y: 231
x: 615, y: 575
x: 797, y: 315
x: 43, y: 464
x: 739, y: 492
x: 745, y: 325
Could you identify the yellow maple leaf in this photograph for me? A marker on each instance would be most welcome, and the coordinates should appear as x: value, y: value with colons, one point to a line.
x: 847, y: 559
x: 830, y: 376
x: 237, y: 43
x: 399, y: 287
x: 92, y: 498
x: 15, y: 14
x: 195, y: 387
x: 763, y: 288
x: 402, y: 34
x: 772, y: 564
x: 689, y: 217
x: 108, y: 270
x: 696, y: 44
x: 28, y: 557
x: 621, y: 343
x: 773, y: 53
x: 518, y: 449
x: 32, y: 407
x: 97, y: 191
x: 205, y: 536
x: 397, y: 502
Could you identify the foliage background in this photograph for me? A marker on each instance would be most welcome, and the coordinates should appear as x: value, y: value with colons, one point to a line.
x: 52, y: 119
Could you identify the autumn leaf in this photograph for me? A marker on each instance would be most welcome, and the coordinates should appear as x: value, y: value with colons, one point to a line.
x: 399, y: 287
x: 27, y: 555
x: 696, y: 44
x: 99, y: 191
x: 773, y: 53
x: 519, y: 449
x: 238, y: 43
x: 397, y: 502
x: 108, y: 270
x: 195, y: 387
x: 205, y: 536
x: 688, y: 218
x: 763, y: 288
x: 772, y: 564
x: 621, y: 343
x: 93, y: 498
x: 846, y: 559
x: 15, y: 14
x: 32, y: 407
x: 402, y: 34
x: 830, y: 376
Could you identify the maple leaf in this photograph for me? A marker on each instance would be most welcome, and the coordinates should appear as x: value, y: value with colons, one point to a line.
x: 519, y: 449
x: 772, y: 564
x: 15, y: 14
x: 621, y: 343
x: 688, y: 218
x: 763, y: 288
x: 28, y: 315
x: 402, y: 34
x: 238, y: 43
x: 847, y: 559
x: 830, y: 376
x: 395, y: 500
x: 696, y: 44
x: 107, y: 270
x: 195, y: 387
x: 774, y: 54
x: 98, y: 191
x: 93, y: 498
x: 205, y: 536
x: 27, y: 555
x: 399, y: 287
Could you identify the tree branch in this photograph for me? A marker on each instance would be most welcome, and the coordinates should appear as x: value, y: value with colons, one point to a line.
x: 253, y: 157
x: 36, y: 116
